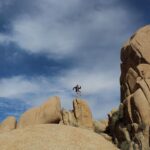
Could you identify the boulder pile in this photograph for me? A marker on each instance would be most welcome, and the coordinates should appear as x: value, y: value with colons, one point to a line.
x: 50, y: 127
x: 129, y: 125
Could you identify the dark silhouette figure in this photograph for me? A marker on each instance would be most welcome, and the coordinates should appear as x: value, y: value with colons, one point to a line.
x: 77, y: 90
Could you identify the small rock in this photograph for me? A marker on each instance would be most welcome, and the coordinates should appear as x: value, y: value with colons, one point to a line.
x: 8, y: 124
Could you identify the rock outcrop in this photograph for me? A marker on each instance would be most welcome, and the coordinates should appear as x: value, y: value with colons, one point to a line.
x: 49, y: 112
x: 100, y: 126
x: 36, y: 129
x: 80, y: 116
x: 53, y: 137
x: 129, y: 125
x: 8, y: 124
x: 135, y: 68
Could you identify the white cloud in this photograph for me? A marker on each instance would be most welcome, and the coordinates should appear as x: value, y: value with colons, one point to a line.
x: 62, y: 27
x: 100, y: 89
x: 36, y: 90
x: 31, y: 35
x: 5, y: 39
x: 15, y: 87
x: 92, y: 81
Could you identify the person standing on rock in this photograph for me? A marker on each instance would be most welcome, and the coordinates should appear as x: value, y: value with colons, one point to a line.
x: 77, y: 90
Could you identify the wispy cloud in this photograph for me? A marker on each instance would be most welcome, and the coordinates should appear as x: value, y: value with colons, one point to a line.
x: 61, y: 28
x: 92, y: 81
x: 35, y: 90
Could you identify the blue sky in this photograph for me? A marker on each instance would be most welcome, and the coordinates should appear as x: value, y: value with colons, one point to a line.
x: 48, y: 46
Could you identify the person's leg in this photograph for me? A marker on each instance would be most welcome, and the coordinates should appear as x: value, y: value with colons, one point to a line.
x: 78, y: 93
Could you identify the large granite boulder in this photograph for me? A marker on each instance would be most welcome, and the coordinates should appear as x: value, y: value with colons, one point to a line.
x: 135, y: 56
x: 136, y: 49
x: 48, y: 112
x: 53, y: 137
x: 130, y: 127
x: 8, y: 124
x: 82, y: 113
x: 80, y: 116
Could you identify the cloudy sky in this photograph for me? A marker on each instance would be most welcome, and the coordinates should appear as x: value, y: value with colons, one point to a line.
x: 48, y: 46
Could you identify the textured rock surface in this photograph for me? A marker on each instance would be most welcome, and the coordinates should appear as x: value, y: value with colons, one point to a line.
x: 129, y: 126
x: 80, y: 116
x: 100, y: 126
x: 135, y: 56
x: 8, y: 124
x: 82, y: 113
x: 53, y: 137
x: 137, y: 47
x: 49, y: 112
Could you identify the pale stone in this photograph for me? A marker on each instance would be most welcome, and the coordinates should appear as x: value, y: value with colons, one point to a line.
x: 141, y: 108
x: 100, y: 126
x: 68, y: 118
x: 82, y: 113
x: 131, y: 131
x: 53, y: 137
x: 131, y: 77
x: 145, y: 88
x: 137, y: 46
x: 8, y: 124
x: 128, y: 109
x: 48, y: 112
x: 141, y: 42
x: 144, y: 70
x: 80, y: 116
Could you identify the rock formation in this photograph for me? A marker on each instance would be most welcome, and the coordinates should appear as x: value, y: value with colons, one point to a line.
x: 8, y: 124
x: 100, y: 126
x: 80, y: 116
x: 129, y: 126
x: 53, y: 137
x: 50, y: 127
x: 36, y: 129
x: 49, y: 112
